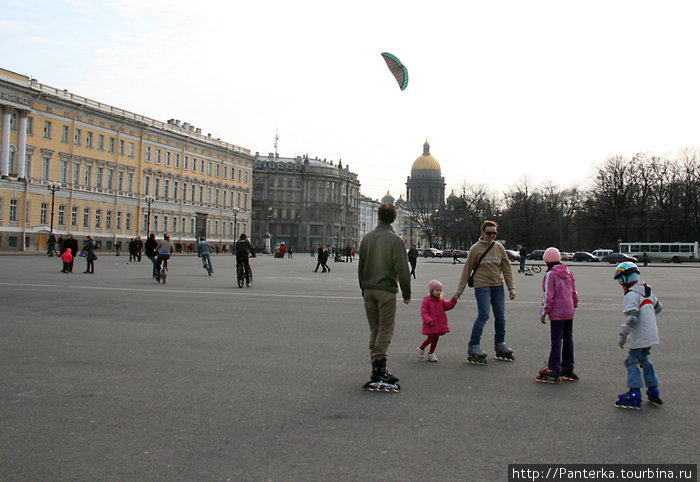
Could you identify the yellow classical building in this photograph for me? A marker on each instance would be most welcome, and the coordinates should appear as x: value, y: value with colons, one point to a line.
x: 71, y: 165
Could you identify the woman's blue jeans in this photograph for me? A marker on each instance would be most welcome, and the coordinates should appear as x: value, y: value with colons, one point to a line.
x: 491, y: 297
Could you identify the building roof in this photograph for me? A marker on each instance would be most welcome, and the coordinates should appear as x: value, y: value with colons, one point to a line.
x: 426, y: 162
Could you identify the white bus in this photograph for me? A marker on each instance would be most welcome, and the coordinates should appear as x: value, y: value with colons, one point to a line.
x: 676, y: 252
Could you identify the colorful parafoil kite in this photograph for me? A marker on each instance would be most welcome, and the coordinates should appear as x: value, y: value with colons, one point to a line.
x: 397, y: 68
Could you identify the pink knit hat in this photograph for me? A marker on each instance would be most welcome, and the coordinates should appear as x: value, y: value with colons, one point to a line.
x: 434, y: 284
x: 551, y: 255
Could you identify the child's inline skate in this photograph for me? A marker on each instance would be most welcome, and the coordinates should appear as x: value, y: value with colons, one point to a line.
x: 632, y: 399
x: 548, y: 376
x: 504, y: 352
x: 381, y: 379
x: 653, y: 394
x: 476, y: 356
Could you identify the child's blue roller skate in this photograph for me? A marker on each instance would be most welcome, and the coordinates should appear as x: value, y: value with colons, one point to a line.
x: 653, y: 394
x: 631, y: 399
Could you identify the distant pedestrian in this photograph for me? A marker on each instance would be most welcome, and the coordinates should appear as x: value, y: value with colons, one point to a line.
x: 152, y: 254
x: 117, y: 247
x: 523, y: 259
x: 413, y: 259
x: 138, y: 246
x: 204, y: 252
x: 90, y: 255
x: 289, y: 252
x: 132, y: 249
x: 559, y: 303
x: 434, y: 318
x: 454, y: 257
x: 52, y: 246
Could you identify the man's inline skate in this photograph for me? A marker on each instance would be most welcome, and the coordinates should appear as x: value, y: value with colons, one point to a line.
x: 476, y: 356
x: 631, y: 399
x: 381, y: 379
x: 504, y: 352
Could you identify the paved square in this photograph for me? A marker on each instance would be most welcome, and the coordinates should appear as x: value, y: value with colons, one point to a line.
x: 113, y: 377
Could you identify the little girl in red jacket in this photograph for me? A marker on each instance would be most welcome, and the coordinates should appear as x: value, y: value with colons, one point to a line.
x: 434, y: 318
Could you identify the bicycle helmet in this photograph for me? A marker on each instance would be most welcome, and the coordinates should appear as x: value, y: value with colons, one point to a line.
x: 551, y: 255
x: 626, y: 273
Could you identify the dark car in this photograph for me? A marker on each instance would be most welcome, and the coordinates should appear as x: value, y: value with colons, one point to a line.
x: 585, y: 256
x: 536, y: 254
x: 616, y: 258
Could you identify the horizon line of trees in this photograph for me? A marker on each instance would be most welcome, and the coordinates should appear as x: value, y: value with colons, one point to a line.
x: 645, y: 198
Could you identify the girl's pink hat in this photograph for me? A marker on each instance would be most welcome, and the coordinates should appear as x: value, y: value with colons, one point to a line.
x: 551, y: 255
x: 434, y: 284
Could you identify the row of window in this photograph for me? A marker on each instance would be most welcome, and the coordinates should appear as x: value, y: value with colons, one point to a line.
x: 44, y: 216
x: 128, y: 148
x: 194, y: 193
x: 218, y: 170
x: 171, y: 225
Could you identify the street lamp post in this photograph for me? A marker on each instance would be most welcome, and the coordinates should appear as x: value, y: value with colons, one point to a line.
x: 235, y: 223
x: 53, y: 187
x: 149, y: 200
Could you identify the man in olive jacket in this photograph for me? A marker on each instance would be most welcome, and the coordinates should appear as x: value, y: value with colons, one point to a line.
x: 382, y: 263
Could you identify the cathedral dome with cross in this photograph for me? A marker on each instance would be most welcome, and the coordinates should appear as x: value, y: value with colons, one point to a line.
x: 425, y: 187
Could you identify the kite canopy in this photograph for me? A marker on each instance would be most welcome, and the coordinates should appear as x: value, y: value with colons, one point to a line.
x: 397, y: 69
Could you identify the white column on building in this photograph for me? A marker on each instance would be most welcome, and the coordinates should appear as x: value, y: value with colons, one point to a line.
x: 5, y: 151
x: 22, y: 144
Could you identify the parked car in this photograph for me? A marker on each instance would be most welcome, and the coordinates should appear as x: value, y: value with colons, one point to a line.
x: 615, y: 258
x: 512, y: 255
x: 585, y: 256
x: 432, y: 253
x: 566, y: 256
x: 462, y: 253
x: 536, y: 254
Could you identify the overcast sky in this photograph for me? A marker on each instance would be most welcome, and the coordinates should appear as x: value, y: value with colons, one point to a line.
x: 502, y: 90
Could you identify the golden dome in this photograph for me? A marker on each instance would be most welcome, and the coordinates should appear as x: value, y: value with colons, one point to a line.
x: 426, y: 162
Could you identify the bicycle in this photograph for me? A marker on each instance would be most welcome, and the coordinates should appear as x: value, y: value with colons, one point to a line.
x: 162, y: 268
x: 241, y: 274
x: 532, y: 268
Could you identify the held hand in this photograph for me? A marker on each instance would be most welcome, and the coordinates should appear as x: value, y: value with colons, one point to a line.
x: 406, y: 301
x: 512, y: 293
x: 456, y: 295
x: 542, y: 320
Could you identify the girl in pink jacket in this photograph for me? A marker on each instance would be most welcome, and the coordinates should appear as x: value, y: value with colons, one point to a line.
x: 434, y: 318
x: 67, y: 259
x: 559, y: 303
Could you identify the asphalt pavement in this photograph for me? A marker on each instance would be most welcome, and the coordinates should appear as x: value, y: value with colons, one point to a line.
x: 111, y: 376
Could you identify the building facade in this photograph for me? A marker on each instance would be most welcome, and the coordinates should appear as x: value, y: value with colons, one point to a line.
x: 72, y: 165
x: 304, y: 202
x: 402, y: 224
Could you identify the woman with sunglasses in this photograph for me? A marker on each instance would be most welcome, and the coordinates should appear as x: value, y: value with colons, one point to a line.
x: 488, y: 266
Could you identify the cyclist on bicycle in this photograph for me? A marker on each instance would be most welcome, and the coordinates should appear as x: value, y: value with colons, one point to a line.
x: 164, y: 248
x: 204, y: 252
x: 243, y: 247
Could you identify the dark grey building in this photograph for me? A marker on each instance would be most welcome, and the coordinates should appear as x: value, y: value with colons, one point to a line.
x: 303, y: 202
